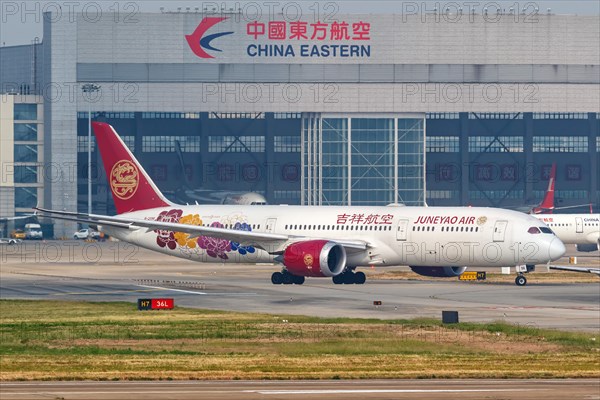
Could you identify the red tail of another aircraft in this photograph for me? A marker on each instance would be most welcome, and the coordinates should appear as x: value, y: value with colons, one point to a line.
x: 131, y: 187
x: 547, y: 204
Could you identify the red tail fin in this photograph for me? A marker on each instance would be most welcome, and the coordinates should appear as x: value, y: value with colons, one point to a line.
x: 131, y: 187
x: 547, y: 204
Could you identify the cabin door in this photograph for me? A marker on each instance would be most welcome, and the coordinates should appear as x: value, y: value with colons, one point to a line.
x: 270, y: 227
x: 578, y: 225
x: 499, y: 231
x: 402, y: 230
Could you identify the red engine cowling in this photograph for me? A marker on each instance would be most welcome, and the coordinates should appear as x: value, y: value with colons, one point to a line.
x: 315, y: 258
x: 439, y: 272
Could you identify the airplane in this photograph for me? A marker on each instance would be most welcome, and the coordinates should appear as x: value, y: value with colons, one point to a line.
x: 547, y: 205
x: 313, y: 241
x: 582, y: 230
x: 190, y: 195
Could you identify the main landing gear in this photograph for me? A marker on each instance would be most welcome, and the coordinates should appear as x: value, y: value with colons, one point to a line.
x: 286, y: 278
x: 350, y: 278
x: 520, y: 280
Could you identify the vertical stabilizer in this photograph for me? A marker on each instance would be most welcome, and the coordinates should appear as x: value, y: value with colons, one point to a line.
x: 547, y: 204
x: 131, y: 187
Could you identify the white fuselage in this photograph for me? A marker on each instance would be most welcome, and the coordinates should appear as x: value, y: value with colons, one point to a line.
x: 416, y: 236
x: 574, y: 228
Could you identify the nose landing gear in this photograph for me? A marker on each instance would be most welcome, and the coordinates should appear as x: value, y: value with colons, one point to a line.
x: 520, y: 280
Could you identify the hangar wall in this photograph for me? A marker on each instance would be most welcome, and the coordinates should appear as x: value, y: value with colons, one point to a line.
x: 479, y: 80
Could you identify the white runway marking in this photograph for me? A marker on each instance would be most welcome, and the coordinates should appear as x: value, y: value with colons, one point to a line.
x: 367, y: 391
x: 66, y: 393
x: 173, y: 290
x: 198, y: 293
x: 284, y: 392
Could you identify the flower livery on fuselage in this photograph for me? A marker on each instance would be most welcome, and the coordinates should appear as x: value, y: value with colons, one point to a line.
x: 213, y: 247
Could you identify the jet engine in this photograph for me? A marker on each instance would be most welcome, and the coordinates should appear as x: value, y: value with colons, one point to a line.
x: 439, y: 272
x: 587, y: 247
x: 315, y: 258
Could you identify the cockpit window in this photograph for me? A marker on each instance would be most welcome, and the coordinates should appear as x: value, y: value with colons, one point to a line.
x: 546, y: 230
x: 533, y: 230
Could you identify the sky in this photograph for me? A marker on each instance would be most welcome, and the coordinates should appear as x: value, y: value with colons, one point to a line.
x: 21, y: 22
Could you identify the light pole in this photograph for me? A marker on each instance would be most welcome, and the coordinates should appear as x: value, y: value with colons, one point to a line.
x: 89, y: 88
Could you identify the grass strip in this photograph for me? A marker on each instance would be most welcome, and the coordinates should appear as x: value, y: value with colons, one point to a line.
x: 69, y: 340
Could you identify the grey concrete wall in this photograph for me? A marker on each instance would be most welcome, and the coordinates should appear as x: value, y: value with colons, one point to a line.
x: 61, y: 120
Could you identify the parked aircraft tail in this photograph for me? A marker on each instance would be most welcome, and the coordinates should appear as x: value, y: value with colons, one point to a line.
x: 547, y: 204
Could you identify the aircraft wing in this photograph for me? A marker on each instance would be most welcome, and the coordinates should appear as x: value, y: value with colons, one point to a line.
x: 576, y: 269
x: 17, y: 218
x: 271, y: 242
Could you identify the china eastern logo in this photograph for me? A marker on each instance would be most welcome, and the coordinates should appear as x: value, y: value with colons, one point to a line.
x: 199, y: 42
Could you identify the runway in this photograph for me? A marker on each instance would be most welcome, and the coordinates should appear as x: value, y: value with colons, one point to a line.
x: 387, y: 389
x: 119, y: 272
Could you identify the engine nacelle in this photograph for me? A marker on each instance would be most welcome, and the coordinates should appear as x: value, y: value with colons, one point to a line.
x: 315, y: 258
x: 586, y: 247
x: 439, y: 272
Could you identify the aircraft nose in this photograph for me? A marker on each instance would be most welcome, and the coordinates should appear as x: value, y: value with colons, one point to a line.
x: 557, y: 249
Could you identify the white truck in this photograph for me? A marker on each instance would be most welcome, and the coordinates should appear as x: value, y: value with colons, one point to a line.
x: 33, y: 232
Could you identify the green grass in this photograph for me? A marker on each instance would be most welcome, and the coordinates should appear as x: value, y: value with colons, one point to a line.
x: 80, y: 340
